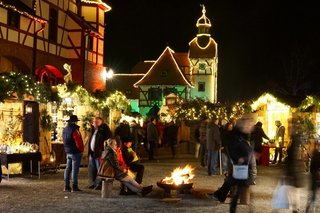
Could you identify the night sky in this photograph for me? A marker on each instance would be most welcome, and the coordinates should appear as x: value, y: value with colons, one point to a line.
x: 263, y: 45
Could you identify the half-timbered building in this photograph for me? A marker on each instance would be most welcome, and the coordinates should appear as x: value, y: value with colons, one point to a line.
x: 39, y: 36
x: 186, y: 74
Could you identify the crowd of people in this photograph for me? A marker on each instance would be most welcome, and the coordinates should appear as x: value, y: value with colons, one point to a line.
x: 213, y: 137
x: 232, y: 147
x: 109, y: 157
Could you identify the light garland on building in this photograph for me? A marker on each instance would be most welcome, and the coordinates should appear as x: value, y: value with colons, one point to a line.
x: 310, y: 101
x: 11, y: 7
x: 98, y: 2
x: 267, y: 99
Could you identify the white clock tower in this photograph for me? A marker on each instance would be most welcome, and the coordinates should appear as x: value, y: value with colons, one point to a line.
x: 203, y: 56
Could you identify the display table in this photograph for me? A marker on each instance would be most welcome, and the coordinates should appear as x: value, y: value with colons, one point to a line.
x: 6, y: 159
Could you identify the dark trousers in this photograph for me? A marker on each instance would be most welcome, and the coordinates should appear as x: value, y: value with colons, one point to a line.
x: 152, y: 146
x: 224, y: 190
x: 203, y: 154
x: 235, y: 197
x: 139, y: 169
x: 278, y: 151
x: 93, y: 167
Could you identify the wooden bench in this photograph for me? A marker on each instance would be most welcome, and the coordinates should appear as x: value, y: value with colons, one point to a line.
x: 107, y: 186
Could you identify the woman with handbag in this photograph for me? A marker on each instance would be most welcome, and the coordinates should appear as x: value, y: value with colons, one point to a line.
x: 110, y: 168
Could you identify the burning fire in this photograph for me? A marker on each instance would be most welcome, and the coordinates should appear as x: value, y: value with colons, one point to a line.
x: 180, y: 176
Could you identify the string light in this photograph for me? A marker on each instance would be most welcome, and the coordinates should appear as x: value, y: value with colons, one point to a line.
x: 170, y: 51
x: 11, y: 7
x: 98, y: 2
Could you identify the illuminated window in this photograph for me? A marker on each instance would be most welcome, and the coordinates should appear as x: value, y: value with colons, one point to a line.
x: 53, y: 25
x: 90, y: 43
x: 201, y: 87
x: 13, y: 19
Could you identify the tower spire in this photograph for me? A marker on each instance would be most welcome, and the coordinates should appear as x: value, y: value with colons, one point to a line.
x: 203, y: 23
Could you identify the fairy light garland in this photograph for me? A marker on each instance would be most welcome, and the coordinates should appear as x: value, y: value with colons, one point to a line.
x: 98, y: 2
x: 23, y: 85
x: 11, y: 7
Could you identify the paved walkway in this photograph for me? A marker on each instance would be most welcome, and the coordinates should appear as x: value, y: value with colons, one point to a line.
x: 25, y: 194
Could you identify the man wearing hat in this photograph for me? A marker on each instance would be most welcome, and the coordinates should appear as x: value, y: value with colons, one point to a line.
x: 73, y: 146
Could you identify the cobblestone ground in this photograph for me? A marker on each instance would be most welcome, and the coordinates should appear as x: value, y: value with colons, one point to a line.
x: 26, y: 194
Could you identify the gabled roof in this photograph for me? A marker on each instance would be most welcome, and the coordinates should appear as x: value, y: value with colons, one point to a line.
x: 203, y: 47
x: 124, y: 83
x: 182, y: 59
x: 83, y: 23
x: 142, y: 67
x: 165, y: 71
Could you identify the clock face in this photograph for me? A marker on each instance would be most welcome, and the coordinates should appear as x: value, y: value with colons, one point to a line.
x: 202, y: 66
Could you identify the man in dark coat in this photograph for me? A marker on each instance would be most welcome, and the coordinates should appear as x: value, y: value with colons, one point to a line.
x: 100, y: 132
x: 73, y: 146
x: 123, y: 131
x: 201, y: 137
x: 152, y: 137
x: 170, y: 135
x: 256, y: 139
x: 213, y: 145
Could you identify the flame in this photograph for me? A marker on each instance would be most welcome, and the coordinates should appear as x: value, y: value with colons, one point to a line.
x: 180, y: 176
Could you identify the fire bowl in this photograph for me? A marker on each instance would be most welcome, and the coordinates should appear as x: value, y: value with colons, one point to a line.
x: 180, y: 187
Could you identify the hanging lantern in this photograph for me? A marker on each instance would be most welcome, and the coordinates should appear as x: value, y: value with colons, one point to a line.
x: 52, y: 157
x: 28, y: 109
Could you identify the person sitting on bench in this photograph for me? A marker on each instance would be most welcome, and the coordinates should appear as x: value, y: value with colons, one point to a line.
x: 111, y: 163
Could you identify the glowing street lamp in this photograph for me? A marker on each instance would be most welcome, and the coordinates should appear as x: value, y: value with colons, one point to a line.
x: 108, y: 74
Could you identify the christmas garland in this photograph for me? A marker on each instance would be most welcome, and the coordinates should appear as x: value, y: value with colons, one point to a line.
x: 21, y: 85
x: 198, y: 108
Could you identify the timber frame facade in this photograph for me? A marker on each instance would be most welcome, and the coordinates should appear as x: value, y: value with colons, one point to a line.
x: 39, y: 36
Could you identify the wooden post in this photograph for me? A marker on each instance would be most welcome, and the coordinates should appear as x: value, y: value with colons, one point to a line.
x: 107, y: 185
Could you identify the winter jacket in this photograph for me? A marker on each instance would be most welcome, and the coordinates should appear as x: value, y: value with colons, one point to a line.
x: 170, y: 134
x: 226, y: 138
x: 102, y: 134
x: 239, y: 147
x: 152, y: 133
x: 213, y: 137
x: 256, y: 138
x: 280, y: 133
x: 112, y: 156
x: 72, y: 139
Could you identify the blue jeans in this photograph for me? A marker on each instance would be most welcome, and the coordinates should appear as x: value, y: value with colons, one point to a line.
x: 72, y: 169
x: 93, y: 170
x: 212, y: 161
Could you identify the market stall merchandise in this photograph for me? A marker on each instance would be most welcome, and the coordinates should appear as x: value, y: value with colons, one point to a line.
x: 7, y: 159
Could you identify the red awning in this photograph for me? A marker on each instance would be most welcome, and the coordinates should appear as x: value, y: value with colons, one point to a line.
x: 49, y: 69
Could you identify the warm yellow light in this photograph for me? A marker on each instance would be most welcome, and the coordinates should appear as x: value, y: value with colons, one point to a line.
x: 180, y: 176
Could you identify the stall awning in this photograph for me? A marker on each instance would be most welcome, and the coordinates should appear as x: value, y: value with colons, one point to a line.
x: 49, y: 69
